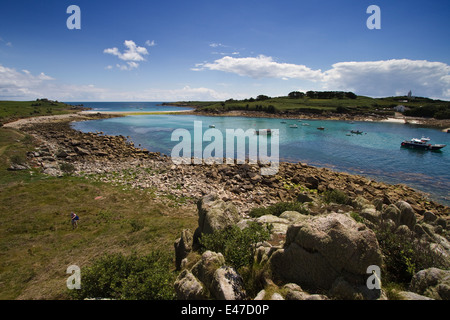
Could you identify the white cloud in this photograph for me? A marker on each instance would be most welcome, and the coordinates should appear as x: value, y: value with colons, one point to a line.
x: 149, y: 43
x: 216, y: 45
x: 262, y: 67
x: 132, y: 54
x: 372, y: 78
x: 391, y: 77
x: 23, y: 85
x: 129, y: 66
x: 43, y: 76
x: 187, y: 93
x: 16, y: 84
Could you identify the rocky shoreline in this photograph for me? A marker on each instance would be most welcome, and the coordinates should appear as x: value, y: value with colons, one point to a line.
x: 238, y: 188
x: 117, y: 160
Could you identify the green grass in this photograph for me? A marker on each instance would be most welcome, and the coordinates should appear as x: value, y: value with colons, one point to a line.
x: 37, y: 242
x: 11, y: 110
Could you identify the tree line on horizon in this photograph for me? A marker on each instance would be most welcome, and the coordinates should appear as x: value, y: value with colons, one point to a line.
x: 322, y: 95
x: 309, y: 94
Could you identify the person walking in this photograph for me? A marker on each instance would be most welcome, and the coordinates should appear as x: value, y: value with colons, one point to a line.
x: 74, y: 219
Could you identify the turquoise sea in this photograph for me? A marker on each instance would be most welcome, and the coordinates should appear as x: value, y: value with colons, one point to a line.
x: 128, y: 106
x: 376, y: 153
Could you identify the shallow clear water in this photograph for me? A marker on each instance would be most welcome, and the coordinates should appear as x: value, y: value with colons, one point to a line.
x: 376, y: 153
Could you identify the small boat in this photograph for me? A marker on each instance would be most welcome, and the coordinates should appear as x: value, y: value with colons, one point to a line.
x: 299, y: 120
x: 305, y: 124
x: 293, y: 126
x: 356, y: 132
x: 267, y: 132
x: 283, y: 121
x: 421, y: 144
x: 320, y: 128
x: 212, y: 126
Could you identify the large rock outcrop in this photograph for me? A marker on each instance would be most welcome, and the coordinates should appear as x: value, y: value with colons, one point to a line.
x: 322, y: 249
x: 432, y: 282
x: 214, y: 214
x: 210, y: 278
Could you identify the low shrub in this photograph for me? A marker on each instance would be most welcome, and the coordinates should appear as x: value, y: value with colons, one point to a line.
x: 136, y: 225
x: 67, y: 168
x: 336, y: 196
x: 404, y: 255
x: 18, y: 159
x: 356, y: 217
x: 236, y: 245
x: 132, y: 277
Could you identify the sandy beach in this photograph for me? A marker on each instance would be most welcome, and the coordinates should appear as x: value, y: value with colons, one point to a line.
x: 127, y: 113
x: 394, y: 120
x: 43, y: 119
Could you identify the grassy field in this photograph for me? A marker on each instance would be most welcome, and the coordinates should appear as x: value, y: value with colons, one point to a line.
x: 37, y: 242
x: 12, y: 110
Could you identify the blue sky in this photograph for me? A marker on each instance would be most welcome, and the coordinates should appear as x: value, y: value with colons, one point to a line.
x: 214, y: 50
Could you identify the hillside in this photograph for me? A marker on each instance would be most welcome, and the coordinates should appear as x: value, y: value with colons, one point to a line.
x: 316, y: 103
x: 13, y: 110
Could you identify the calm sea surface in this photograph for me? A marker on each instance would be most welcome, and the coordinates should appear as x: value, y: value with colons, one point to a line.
x: 376, y: 153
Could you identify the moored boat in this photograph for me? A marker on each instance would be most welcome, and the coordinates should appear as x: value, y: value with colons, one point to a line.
x: 421, y: 144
